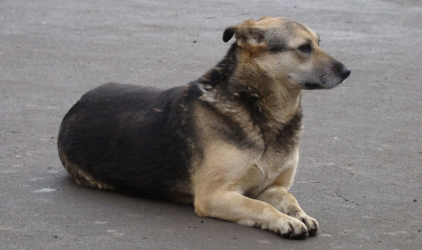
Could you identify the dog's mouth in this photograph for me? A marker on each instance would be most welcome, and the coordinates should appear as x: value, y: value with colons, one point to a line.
x: 328, y: 80
x: 324, y: 85
x: 312, y: 86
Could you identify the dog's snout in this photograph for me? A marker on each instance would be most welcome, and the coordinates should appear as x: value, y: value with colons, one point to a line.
x: 345, y: 72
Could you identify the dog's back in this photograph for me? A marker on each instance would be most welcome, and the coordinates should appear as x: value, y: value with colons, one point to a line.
x: 120, y: 136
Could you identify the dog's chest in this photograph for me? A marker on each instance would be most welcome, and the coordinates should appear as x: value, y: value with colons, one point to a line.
x: 274, y: 168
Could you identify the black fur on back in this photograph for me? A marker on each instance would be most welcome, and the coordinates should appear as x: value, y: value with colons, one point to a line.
x: 129, y: 137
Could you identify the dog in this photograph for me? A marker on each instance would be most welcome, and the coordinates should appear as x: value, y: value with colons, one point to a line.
x: 227, y: 142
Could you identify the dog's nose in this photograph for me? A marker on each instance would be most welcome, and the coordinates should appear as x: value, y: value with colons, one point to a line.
x: 345, y: 72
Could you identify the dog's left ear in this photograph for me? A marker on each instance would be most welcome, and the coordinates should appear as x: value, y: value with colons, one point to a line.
x: 248, y: 36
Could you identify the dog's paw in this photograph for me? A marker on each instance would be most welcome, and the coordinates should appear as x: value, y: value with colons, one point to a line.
x: 293, y: 229
x: 311, y: 223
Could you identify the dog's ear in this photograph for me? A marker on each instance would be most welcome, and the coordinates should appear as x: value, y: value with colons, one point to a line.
x: 228, y: 34
x: 264, y: 17
x: 248, y: 36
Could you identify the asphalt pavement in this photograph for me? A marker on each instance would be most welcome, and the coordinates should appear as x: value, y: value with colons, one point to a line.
x: 360, y: 164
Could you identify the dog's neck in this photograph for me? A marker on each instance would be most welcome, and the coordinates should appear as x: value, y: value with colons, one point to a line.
x: 276, y: 104
x: 247, y: 88
x: 275, y: 98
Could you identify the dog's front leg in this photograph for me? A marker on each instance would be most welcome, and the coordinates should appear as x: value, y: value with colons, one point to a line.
x: 233, y: 206
x: 281, y: 199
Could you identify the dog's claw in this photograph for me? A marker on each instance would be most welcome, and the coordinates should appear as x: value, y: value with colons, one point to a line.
x: 313, y: 230
x: 302, y: 235
x: 311, y: 224
x: 296, y: 230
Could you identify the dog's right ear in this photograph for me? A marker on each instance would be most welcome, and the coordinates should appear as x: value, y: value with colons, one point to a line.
x: 248, y: 36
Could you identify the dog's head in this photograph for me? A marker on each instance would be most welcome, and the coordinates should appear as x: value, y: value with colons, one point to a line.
x: 288, y: 51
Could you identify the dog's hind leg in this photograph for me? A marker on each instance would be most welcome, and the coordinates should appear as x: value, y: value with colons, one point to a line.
x: 79, y: 176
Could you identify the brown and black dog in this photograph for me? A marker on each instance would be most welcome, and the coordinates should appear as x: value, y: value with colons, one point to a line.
x: 227, y: 142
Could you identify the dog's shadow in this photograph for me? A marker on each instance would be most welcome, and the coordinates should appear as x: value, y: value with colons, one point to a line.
x: 115, y: 206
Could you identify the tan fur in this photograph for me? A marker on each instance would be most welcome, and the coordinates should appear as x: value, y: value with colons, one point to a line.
x: 236, y: 185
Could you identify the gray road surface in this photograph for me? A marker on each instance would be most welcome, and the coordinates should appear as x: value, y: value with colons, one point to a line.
x: 360, y: 169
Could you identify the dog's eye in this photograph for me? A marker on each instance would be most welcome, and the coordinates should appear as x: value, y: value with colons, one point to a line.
x: 306, y: 48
